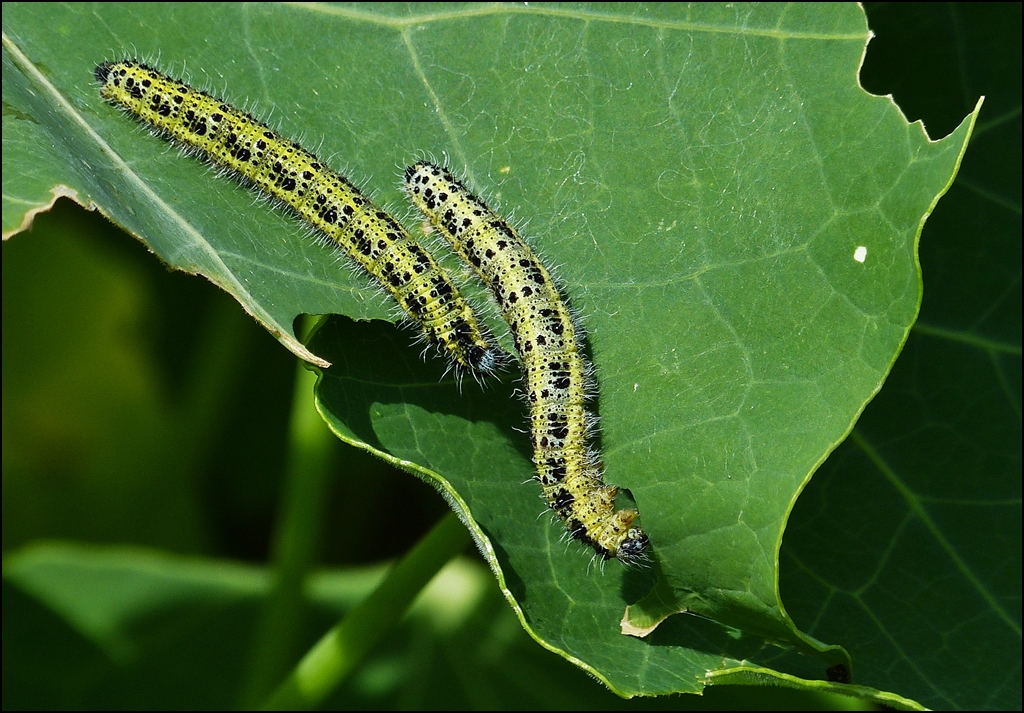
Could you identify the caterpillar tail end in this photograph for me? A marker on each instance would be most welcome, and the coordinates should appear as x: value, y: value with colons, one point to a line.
x: 103, y: 71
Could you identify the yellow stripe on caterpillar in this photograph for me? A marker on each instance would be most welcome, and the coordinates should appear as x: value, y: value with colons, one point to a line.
x: 554, y: 368
x: 295, y: 178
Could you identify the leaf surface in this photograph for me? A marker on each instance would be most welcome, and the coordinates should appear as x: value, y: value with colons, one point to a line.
x: 732, y: 216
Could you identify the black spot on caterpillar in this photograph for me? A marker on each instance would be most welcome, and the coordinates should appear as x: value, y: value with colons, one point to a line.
x: 554, y: 368
x: 295, y: 178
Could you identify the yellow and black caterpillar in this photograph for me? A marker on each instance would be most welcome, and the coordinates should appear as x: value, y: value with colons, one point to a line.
x: 279, y: 168
x: 554, y: 368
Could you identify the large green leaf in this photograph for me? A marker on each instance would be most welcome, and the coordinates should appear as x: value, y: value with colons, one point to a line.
x: 705, y: 178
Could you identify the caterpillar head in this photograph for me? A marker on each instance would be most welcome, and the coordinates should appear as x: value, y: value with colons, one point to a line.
x: 633, y: 548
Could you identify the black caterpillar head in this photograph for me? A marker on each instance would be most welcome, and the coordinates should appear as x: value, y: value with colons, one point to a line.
x: 633, y: 549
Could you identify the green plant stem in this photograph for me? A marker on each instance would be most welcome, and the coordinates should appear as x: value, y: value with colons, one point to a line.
x: 334, y: 656
x: 295, y: 545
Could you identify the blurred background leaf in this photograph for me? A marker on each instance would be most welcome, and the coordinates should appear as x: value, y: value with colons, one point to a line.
x: 912, y: 528
x: 183, y: 451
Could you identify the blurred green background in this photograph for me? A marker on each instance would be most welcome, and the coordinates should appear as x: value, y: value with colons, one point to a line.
x: 127, y: 421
